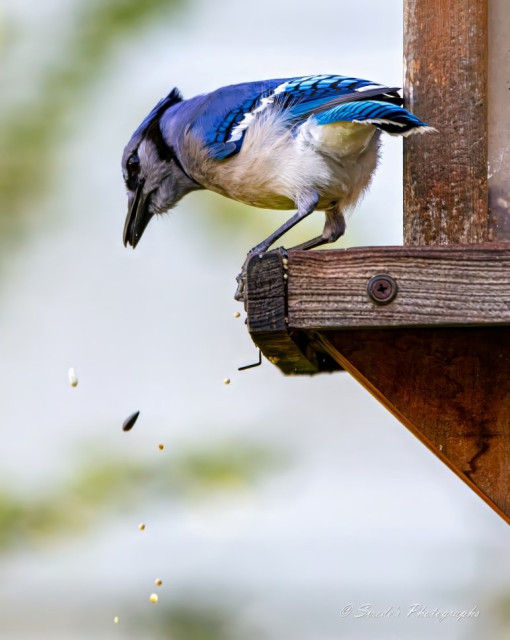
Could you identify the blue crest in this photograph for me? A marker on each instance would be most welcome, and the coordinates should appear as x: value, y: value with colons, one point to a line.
x: 172, y: 98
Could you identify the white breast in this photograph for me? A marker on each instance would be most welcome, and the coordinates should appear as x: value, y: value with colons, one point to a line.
x: 274, y: 166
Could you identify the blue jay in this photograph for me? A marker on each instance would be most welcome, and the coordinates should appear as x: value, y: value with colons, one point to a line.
x: 307, y: 143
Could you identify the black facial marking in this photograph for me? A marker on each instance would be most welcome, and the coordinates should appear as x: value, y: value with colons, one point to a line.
x: 153, y: 133
x: 165, y: 152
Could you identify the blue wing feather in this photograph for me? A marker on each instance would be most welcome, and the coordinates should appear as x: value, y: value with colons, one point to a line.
x: 225, y: 110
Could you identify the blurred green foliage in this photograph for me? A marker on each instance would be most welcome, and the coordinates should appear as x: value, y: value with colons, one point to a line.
x: 233, y: 466
x: 105, y: 487
x: 30, y: 133
x: 191, y: 622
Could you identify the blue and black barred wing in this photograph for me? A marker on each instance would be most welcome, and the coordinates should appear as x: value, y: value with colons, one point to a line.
x: 314, y: 94
x: 299, y: 97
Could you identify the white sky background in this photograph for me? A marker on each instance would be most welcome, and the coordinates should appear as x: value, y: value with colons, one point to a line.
x: 367, y: 514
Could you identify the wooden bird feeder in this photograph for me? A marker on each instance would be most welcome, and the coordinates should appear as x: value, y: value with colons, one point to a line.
x: 425, y: 327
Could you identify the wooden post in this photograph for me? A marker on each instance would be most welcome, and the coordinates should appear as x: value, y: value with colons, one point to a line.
x: 445, y: 83
x: 499, y: 120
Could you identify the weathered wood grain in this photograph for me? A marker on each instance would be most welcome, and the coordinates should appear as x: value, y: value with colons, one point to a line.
x: 445, y: 173
x: 499, y: 121
x: 450, y: 387
x: 266, y: 300
x: 266, y: 307
x: 436, y: 286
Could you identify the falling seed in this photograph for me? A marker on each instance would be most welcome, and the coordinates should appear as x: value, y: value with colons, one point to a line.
x: 158, y: 582
x: 73, y: 378
x: 226, y: 381
x: 161, y: 446
x: 237, y: 314
x: 141, y: 526
x: 128, y: 423
x: 116, y: 619
x: 154, y: 597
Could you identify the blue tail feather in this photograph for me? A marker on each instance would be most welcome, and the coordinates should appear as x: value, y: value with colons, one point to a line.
x: 388, y: 117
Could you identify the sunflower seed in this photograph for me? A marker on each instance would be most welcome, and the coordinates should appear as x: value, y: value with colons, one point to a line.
x: 128, y: 423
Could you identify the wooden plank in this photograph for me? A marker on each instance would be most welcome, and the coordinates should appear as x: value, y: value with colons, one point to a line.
x: 450, y: 387
x: 266, y: 307
x: 436, y: 286
x: 266, y: 303
x: 445, y: 174
x: 499, y: 121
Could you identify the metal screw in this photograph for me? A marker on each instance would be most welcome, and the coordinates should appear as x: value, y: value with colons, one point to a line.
x: 382, y: 288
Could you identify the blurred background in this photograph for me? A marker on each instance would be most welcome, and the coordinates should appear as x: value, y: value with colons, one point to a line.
x: 278, y: 507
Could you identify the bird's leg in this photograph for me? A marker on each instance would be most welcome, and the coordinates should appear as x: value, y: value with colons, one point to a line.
x: 334, y: 227
x: 306, y: 204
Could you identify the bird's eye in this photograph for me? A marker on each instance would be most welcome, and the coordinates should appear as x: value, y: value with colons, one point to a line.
x: 133, y: 169
x: 133, y: 164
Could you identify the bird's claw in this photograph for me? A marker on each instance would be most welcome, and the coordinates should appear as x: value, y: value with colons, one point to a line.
x: 283, y: 252
x: 241, y: 279
x: 241, y: 285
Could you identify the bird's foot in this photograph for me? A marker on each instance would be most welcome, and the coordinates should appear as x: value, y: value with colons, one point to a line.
x: 241, y: 284
x: 241, y: 278
x: 283, y: 252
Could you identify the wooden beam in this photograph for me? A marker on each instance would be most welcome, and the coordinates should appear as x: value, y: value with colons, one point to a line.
x: 445, y: 84
x: 266, y: 306
x: 436, y: 286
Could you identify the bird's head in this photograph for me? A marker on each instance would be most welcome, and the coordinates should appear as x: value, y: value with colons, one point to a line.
x: 154, y: 176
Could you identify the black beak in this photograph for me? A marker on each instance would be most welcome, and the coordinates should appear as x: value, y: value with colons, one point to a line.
x: 138, y: 217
